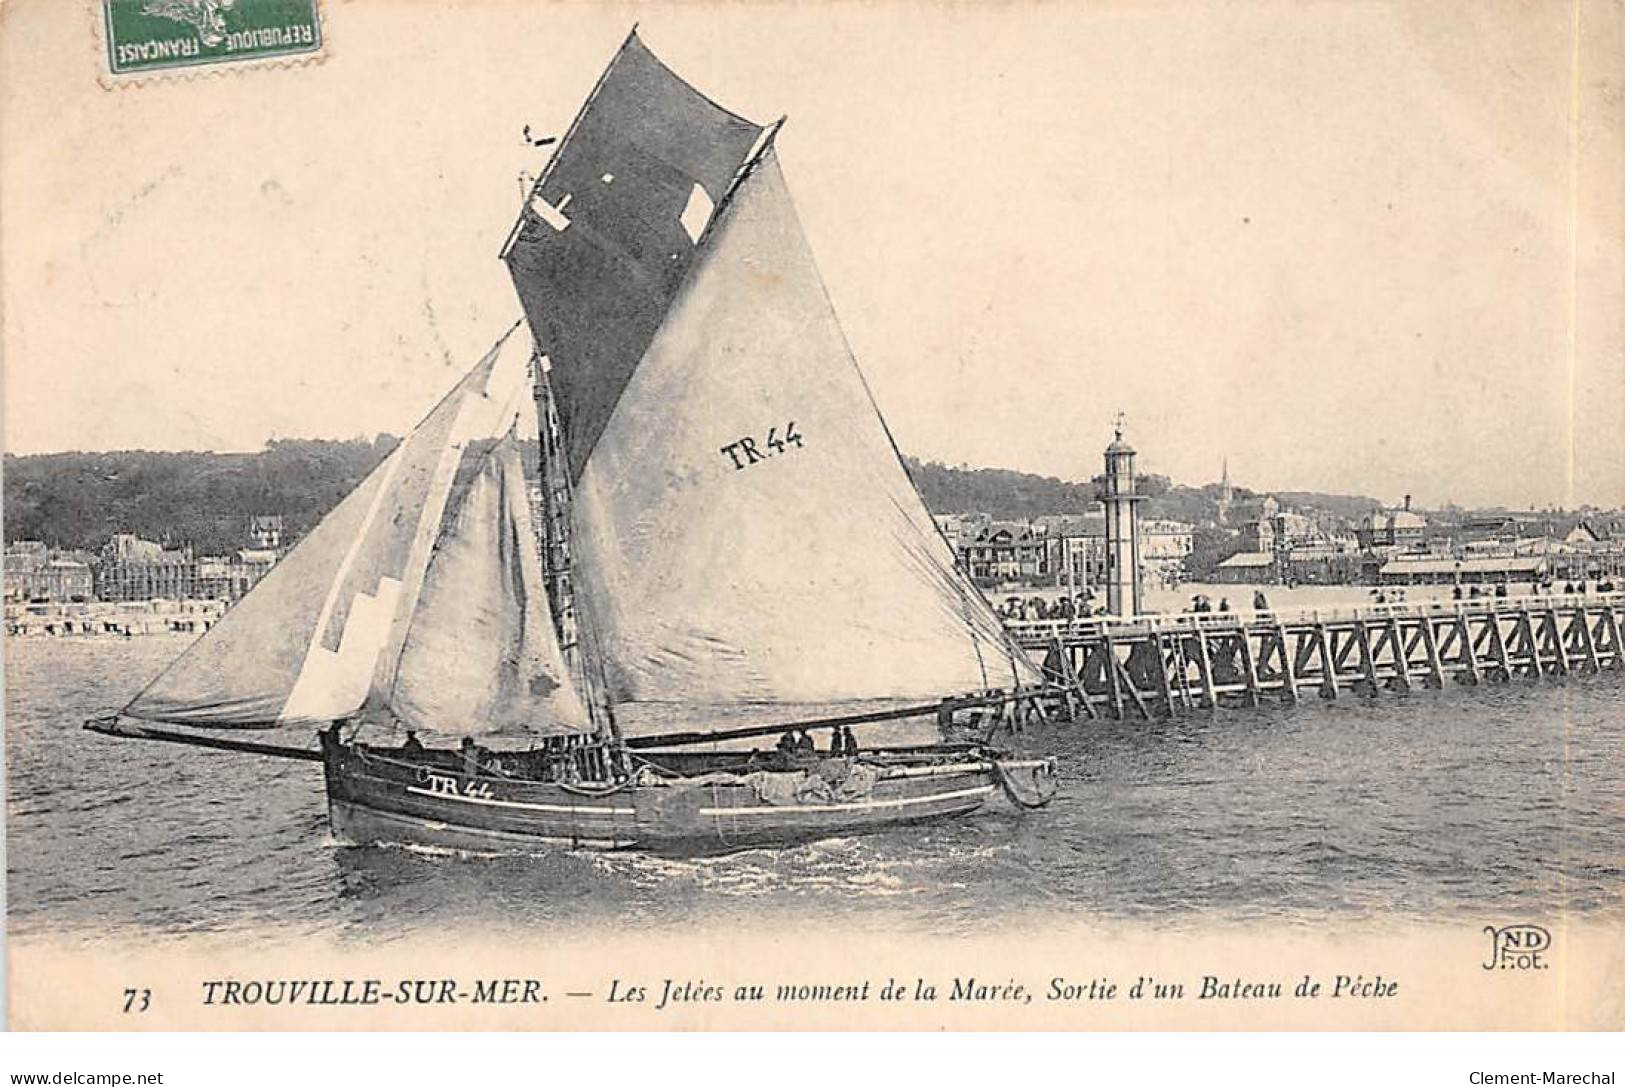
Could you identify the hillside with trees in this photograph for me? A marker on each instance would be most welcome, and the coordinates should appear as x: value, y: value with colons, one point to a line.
x: 1000, y: 492
x: 80, y: 500
x: 1016, y: 496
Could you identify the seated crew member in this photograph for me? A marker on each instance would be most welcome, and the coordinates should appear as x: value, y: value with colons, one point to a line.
x: 804, y: 742
x: 413, y: 745
x: 787, y: 742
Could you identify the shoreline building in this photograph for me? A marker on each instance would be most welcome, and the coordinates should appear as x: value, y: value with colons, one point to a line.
x: 265, y: 530
x: 1399, y: 529
x: 1282, y: 546
x: 136, y: 569
x: 133, y: 569
x: 36, y: 574
x: 1006, y: 551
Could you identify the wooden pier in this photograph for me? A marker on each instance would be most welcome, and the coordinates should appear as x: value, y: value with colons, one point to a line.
x: 1162, y: 664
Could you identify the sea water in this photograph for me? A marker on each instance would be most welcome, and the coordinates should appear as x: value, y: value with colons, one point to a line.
x: 1504, y: 801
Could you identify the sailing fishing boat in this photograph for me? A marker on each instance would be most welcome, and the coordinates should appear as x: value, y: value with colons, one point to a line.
x: 725, y: 550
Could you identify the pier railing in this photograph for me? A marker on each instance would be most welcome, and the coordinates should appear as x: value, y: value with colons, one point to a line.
x: 1096, y: 625
x: 1183, y: 660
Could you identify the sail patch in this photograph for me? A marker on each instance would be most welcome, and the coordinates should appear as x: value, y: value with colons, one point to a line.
x: 697, y: 213
x: 552, y: 216
x: 333, y: 683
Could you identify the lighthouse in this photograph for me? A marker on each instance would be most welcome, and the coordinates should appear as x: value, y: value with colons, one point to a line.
x: 1123, y: 596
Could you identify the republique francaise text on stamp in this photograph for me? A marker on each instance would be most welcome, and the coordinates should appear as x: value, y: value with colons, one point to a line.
x: 152, y: 35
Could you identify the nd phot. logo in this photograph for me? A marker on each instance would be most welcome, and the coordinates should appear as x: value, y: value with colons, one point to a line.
x: 1517, y: 947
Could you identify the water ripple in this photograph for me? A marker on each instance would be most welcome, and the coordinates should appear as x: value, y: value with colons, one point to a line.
x: 1507, y: 799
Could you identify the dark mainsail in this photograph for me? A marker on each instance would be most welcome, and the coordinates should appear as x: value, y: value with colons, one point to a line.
x: 611, y: 229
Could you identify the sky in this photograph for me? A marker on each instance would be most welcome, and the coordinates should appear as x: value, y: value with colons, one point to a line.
x: 1349, y: 247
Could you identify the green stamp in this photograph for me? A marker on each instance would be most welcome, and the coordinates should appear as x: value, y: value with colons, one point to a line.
x: 145, y: 35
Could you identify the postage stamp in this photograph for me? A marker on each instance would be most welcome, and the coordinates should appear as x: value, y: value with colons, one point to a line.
x: 153, y: 35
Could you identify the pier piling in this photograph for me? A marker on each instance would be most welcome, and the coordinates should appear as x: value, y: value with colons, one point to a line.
x: 1159, y: 665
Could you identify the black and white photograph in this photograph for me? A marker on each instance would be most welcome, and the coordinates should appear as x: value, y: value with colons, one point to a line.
x: 535, y: 516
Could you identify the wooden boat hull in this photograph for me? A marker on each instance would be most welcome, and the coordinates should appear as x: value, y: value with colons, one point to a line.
x: 377, y: 798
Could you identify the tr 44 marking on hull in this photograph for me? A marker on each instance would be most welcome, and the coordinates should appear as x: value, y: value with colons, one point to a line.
x: 446, y: 785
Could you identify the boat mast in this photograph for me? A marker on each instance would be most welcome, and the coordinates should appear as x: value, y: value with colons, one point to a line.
x: 553, y: 526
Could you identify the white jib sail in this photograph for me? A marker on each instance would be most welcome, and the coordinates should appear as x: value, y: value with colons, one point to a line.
x: 481, y: 656
x: 323, y: 630
x: 743, y: 529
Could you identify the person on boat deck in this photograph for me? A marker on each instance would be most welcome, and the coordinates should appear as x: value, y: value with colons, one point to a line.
x: 787, y: 743
x: 473, y: 755
x: 1224, y: 603
x: 848, y: 742
x: 804, y: 742
x: 413, y: 745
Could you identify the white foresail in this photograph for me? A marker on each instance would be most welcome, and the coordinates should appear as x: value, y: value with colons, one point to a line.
x: 321, y: 634
x: 743, y: 529
x: 480, y: 655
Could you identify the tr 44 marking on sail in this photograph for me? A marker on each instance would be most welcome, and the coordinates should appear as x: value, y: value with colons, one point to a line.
x: 745, y: 452
x: 149, y: 35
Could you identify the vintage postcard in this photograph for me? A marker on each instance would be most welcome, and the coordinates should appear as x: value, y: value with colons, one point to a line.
x: 1096, y: 516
